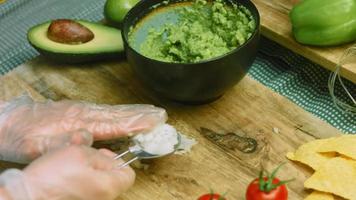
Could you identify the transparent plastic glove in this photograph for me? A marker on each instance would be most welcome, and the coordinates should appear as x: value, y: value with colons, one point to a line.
x: 29, y: 129
x: 71, y: 173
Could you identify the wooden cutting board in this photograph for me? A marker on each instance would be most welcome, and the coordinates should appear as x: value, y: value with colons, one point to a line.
x: 276, y: 26
x: 218, y: 162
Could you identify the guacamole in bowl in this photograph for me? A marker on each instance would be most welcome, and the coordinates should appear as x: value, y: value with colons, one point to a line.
x: 201, y: 30
x: 191, y: 51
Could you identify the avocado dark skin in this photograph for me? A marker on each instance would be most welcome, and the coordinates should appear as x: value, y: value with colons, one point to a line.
x: 78, y: 58
x: 76, y: 41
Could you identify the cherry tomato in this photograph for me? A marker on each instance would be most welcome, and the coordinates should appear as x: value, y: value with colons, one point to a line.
x: 268, y: 187
x: 211, y: 197
x: 254, y: 192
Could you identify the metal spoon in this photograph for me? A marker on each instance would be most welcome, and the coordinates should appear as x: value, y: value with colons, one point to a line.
x: 141, y: 154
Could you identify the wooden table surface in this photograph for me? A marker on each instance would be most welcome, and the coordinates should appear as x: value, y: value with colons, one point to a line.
x: 275, y: 25
x: 249, y: 110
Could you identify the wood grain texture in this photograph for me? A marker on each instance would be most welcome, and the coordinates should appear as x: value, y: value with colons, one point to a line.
x: 276, y: 26
x: 220, y: 160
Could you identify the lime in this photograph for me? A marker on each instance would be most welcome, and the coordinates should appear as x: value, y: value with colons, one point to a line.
x: 115, y: 10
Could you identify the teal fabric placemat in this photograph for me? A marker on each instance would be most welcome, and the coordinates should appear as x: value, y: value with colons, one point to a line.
x: 303, y: 82
x: 289, y: 74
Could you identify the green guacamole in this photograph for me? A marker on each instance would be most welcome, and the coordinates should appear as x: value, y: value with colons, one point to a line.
x: 204, y: 30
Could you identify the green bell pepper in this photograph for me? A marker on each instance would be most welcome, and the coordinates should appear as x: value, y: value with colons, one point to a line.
x: 324, y: 22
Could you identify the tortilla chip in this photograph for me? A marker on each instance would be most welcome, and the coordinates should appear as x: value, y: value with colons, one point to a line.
x: 336, y: 176
x: 290, y: 155
x: 344, y: 145
x: 317, y: 195
x: 308, y: 155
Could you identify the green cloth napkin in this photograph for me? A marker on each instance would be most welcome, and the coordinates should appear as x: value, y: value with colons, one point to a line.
x: 281, y: 70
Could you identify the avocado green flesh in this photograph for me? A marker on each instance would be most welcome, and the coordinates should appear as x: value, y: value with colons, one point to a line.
x: 107, y: 42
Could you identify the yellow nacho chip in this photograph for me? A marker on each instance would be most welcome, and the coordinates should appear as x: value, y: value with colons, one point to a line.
x: 336, y: 176
x: 308, y: 155
x: 317, y: 195
x: 344, y: 145
x: 290, y: 155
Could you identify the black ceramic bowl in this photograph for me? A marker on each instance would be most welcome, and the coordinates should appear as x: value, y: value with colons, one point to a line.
x: 195, y: 83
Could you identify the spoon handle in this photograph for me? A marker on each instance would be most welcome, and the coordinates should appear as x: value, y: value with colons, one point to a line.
x: 128, y: 162
x: 121, y: 155
x: 125, y: 163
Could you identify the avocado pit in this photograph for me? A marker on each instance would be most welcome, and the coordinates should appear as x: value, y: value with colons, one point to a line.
x: 67, y: 31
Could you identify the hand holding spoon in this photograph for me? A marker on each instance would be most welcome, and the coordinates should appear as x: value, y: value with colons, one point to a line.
x: 140, y: 152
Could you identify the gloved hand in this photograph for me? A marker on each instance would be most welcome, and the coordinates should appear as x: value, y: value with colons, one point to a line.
x: 29, y: 129
x: 70, y: 173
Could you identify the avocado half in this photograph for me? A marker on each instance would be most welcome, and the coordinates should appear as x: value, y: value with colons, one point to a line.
x: 107, y: 43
